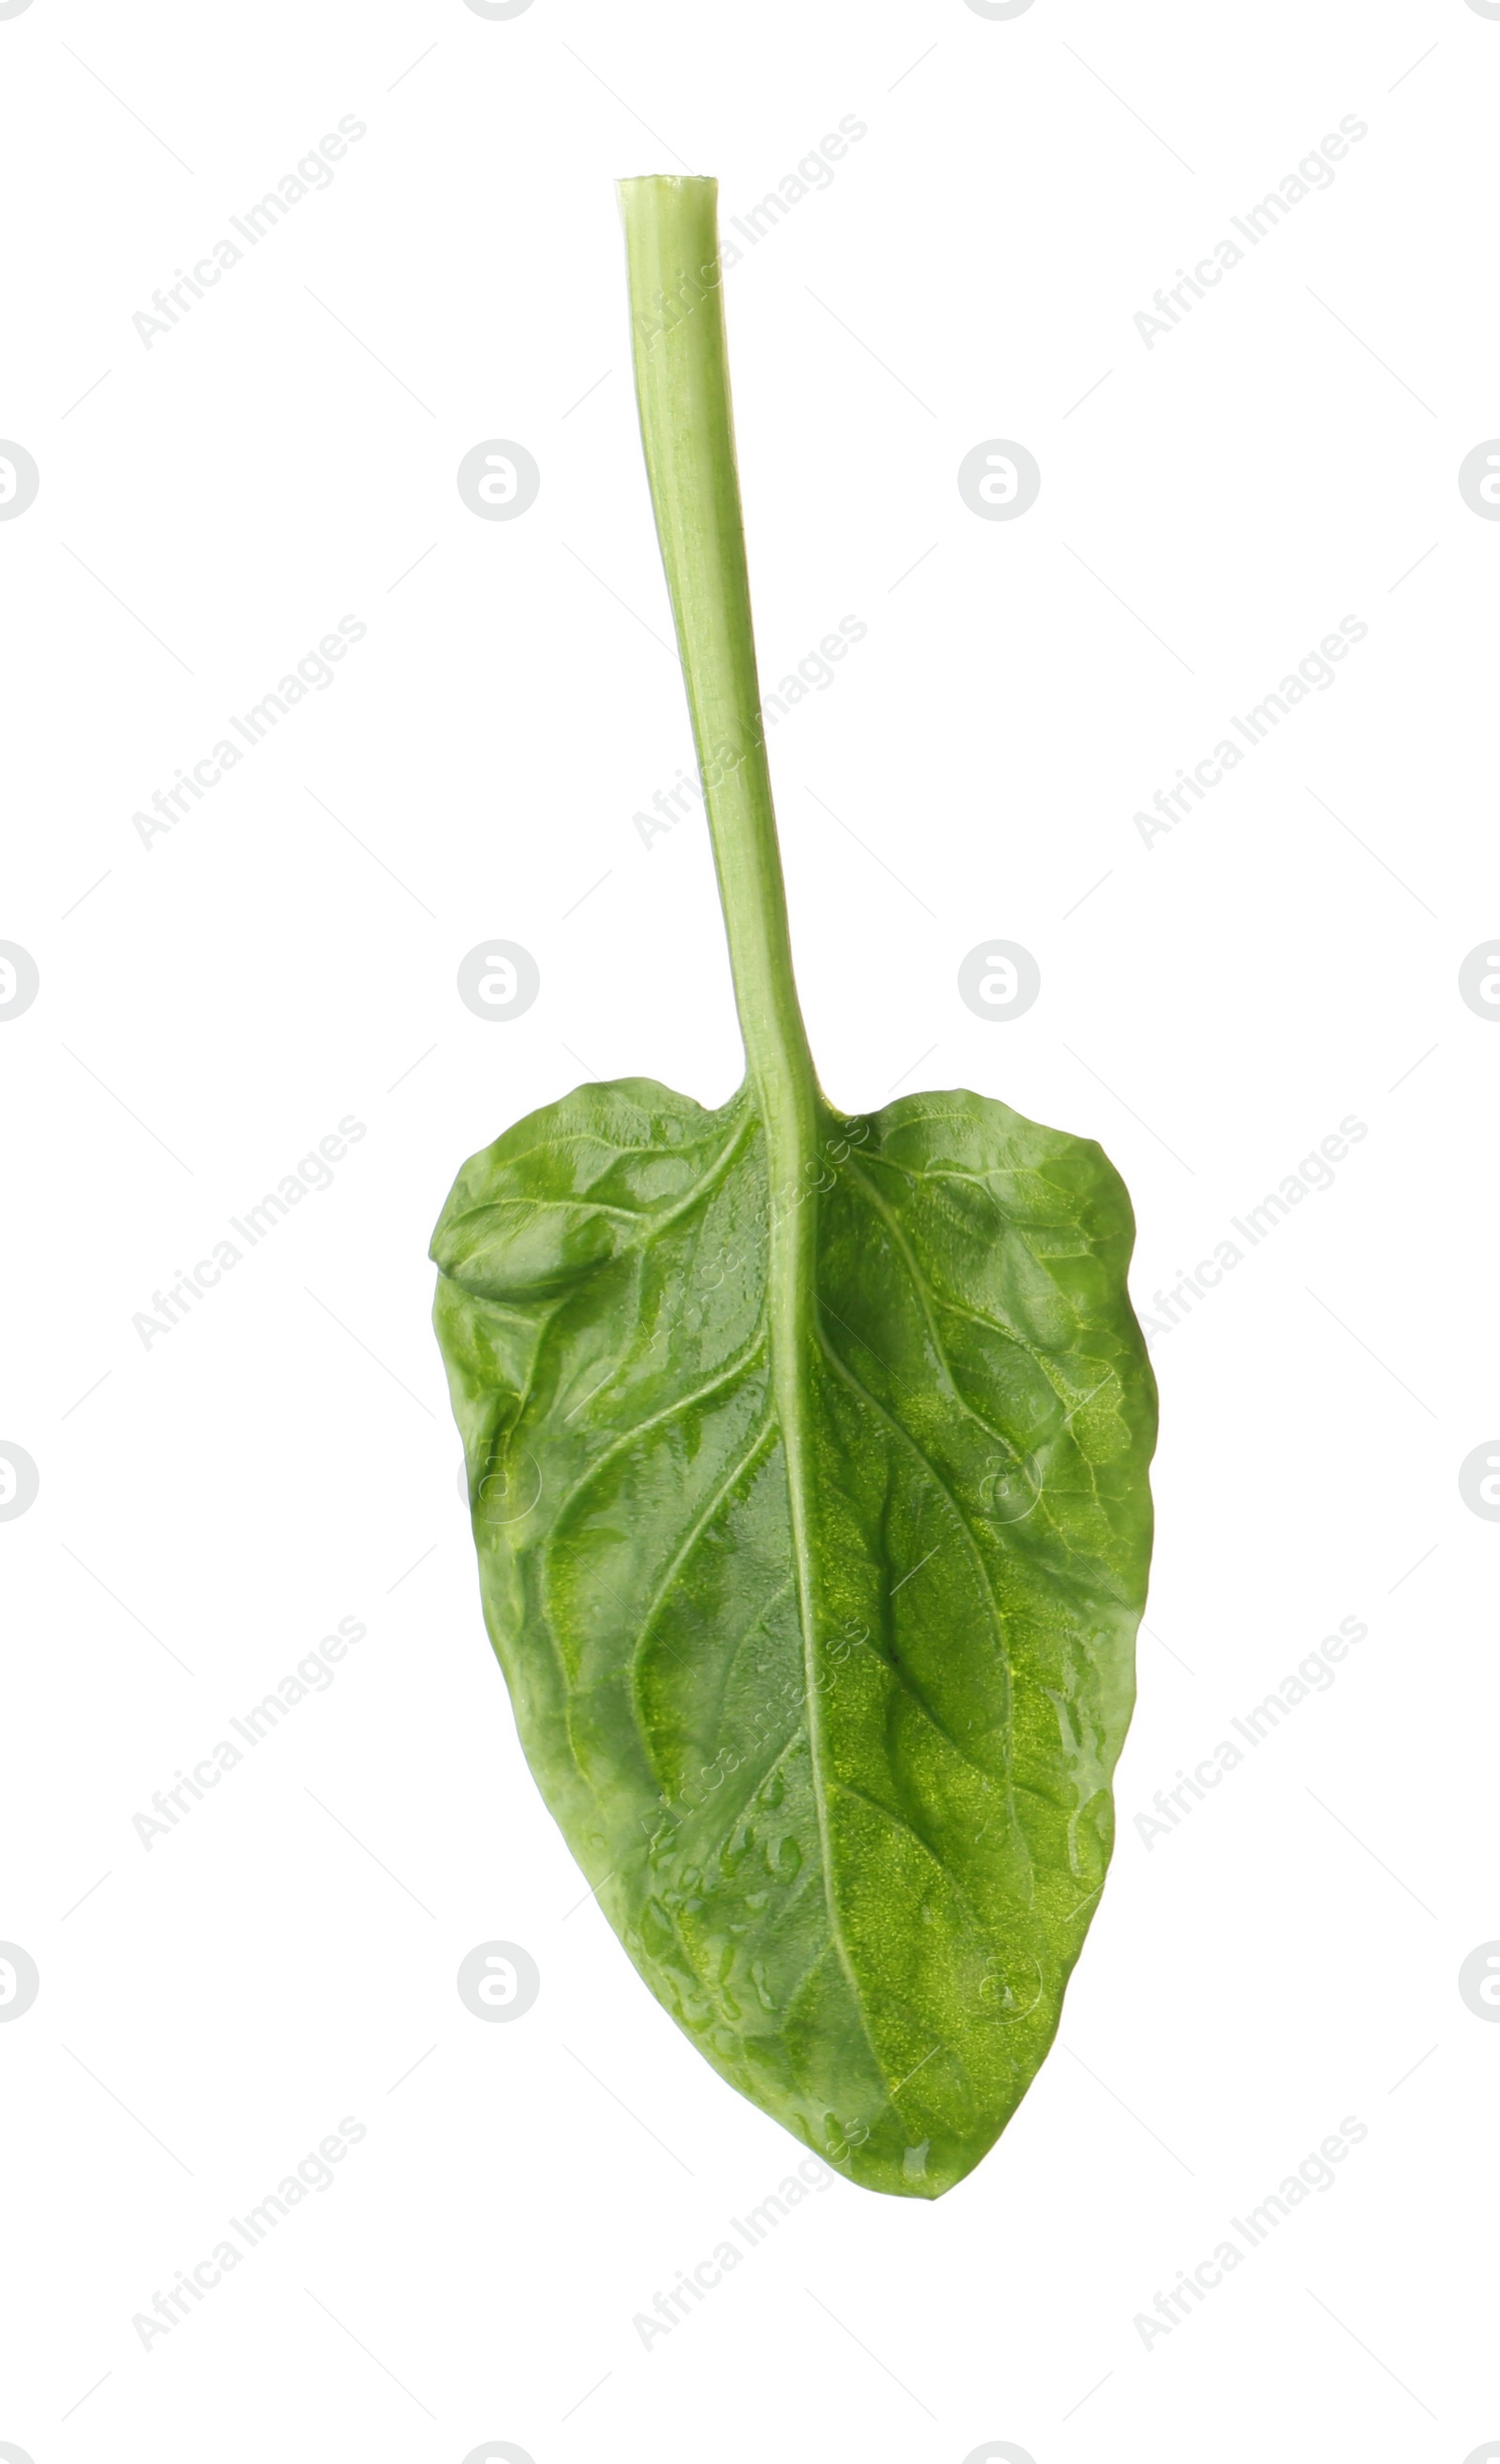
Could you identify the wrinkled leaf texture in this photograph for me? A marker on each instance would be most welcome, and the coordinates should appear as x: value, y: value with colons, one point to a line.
x: 842, y: 1775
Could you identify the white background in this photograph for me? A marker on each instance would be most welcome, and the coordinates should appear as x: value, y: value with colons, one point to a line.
x: 212, y: 1005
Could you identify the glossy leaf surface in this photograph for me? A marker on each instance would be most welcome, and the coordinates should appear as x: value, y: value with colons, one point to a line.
x: 830, y: 1724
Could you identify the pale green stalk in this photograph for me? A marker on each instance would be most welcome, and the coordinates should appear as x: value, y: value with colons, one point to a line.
x: 687, y: 426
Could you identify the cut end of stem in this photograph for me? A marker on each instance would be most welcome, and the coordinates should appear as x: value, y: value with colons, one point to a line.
x: 663, y: 180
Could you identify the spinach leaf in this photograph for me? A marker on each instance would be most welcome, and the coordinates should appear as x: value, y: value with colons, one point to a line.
x: 807, y: 1465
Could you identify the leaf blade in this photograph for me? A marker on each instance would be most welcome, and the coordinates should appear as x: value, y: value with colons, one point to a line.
x: 911, y: 1725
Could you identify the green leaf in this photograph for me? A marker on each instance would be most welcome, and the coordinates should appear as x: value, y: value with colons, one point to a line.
x: 832, y: 1727
x: 807, y: 1465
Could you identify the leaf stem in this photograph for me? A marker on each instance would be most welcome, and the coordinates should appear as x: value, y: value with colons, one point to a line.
x: 687, y: 427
